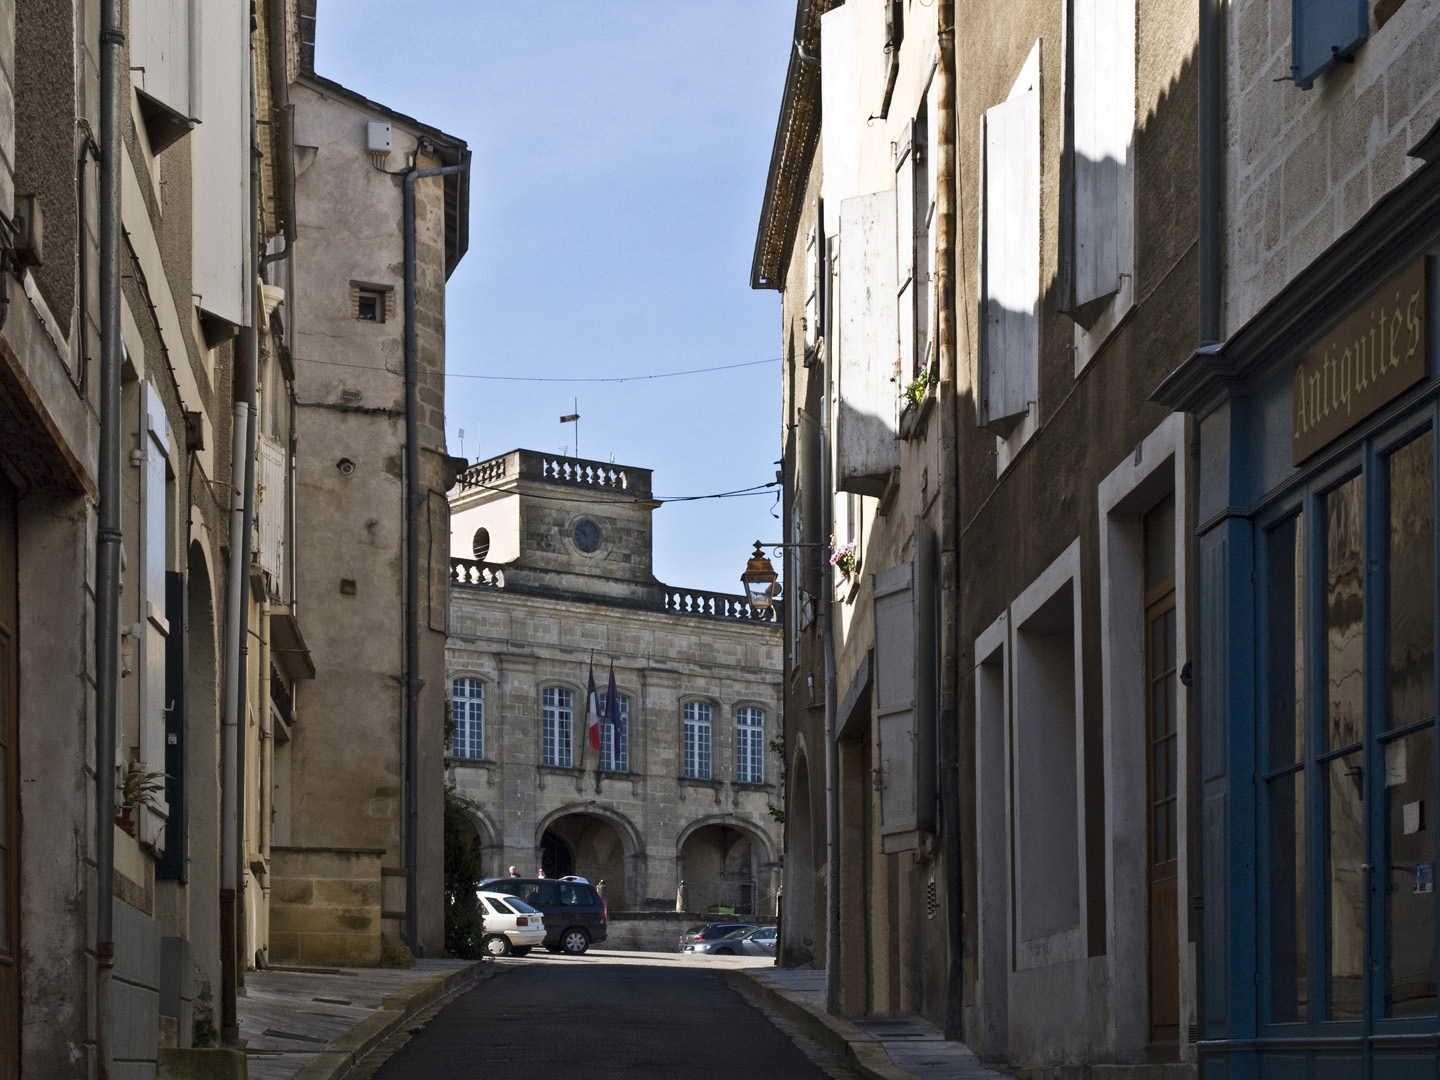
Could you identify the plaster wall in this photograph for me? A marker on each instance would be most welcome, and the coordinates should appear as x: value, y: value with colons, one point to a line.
x: 346, y: 750
x: 1303, y: 166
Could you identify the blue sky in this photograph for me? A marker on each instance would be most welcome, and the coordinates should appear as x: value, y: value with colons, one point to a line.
x: 620, y: 152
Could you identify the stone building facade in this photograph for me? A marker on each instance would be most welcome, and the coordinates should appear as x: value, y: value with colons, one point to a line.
x: 551, y: 576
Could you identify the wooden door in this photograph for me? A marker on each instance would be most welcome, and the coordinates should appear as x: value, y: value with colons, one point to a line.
x: 9, y: 797
x: 1161, y: 707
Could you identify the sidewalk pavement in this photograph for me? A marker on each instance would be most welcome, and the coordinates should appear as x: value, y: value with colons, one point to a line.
x: 888, y: 1048
x: 315, y: 1023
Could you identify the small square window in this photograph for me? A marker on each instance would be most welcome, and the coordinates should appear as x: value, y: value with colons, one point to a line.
x: 370, y: 306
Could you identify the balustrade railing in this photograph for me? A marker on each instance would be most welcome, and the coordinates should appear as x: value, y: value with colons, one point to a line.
x: 584, y: 473
x: 731, y: 607
x: 483, y: 472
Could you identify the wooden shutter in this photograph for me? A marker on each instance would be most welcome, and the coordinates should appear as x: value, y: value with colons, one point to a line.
x: 895, y: 735
x: 866, y: 447
x: 811, y: 503
x: 1321, y: 31
x: 905, y: 212
x: 1010, y: 261
x: 221, y: 163
x: 840, y: 106
x: 927, y: 669
x: 154, y: 603
x: 162, y: 63
x: 1104, y: 111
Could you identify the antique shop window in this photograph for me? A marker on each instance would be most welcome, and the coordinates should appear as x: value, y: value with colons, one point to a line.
x: 697, y: 740
x: 467, y: 709
x: 557, y: 722
x: 1346, y: 747
x: 749, y: 745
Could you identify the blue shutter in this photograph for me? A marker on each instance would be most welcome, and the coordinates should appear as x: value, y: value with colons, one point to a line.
x: 1323, y: 30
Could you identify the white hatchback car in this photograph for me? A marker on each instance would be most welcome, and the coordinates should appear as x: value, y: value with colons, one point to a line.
x: 512, y: 927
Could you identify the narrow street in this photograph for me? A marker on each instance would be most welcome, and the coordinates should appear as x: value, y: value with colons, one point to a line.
x: 635, y: 1016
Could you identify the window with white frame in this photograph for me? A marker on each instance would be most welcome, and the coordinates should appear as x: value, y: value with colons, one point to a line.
x: 467, y: 709
x: 614, y: 746
x: 697, y: 740
x: 749, y: 745
x: 557, y: 715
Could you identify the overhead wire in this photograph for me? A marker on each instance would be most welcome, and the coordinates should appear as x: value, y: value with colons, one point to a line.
x: 552, y: 378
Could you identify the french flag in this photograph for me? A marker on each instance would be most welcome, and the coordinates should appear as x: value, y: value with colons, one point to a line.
x: 592, y: 709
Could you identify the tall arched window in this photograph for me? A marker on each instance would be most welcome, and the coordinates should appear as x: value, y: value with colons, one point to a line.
x: 749, y: 745
x: 615, y: 751
x: 697, y: 740
x: 557, y: 715
x: 467, y: 708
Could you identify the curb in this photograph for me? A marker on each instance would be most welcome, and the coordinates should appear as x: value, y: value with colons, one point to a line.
x: 341, y: 1054
x: 860, y: 1050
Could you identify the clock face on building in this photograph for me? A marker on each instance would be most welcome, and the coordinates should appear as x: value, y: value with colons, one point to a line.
x: 587, y: 535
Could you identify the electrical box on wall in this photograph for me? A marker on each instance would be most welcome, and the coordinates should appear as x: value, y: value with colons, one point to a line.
x: 379, y: 137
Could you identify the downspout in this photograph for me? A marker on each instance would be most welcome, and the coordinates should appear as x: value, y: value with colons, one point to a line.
x: 235, y: 631
x: 414, y: 497
x: 109, y: 536
x: 947, y: 353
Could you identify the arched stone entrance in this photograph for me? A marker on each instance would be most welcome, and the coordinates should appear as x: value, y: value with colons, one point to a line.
x: 596, y: 846
x: 800, y: 917
x: 725, y: 863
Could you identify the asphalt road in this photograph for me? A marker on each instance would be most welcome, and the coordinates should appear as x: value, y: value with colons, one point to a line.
x: 597, y: 1017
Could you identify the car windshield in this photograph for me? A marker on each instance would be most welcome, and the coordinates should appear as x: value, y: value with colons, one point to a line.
x: 736, y: 934
x: 695, y: 930
x: 521, y: 907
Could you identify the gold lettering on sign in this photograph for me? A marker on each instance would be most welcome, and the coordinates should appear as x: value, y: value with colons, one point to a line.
x: 1371, y: 358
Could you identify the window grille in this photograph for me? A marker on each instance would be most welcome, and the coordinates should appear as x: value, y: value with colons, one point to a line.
x: 467, y: 709
x: 749, y: 746
x: 557, y: 714
x: 697, y: 740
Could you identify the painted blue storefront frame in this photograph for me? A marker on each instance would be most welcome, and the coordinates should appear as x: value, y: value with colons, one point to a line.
x: 1241, y: 395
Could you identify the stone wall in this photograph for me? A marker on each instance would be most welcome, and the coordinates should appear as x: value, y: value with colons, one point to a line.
x: 325, y: 906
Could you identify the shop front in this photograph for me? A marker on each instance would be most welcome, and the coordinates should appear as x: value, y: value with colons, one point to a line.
x: 1316, y: 553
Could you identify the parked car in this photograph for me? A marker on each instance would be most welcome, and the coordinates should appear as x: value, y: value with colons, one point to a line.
x: 575, y: 914
x: 512, y: 927
x: 708, y: 933
x: 758, y: 942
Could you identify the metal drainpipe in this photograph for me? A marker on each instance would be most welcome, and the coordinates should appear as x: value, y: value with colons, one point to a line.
x: 949, y: 415
x: 414, y: 496
x: 235, y: 631
x: 109, y: 536
x: 832, y: 750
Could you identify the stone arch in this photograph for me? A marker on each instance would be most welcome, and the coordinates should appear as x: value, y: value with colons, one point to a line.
x: 726, y: 862
x: 802, y: 913
x: 492, y: 851
x: 601, y: 844
x: 201, y: 749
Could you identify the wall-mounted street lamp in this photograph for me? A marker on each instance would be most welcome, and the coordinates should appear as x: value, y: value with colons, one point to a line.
x: 760, y: 579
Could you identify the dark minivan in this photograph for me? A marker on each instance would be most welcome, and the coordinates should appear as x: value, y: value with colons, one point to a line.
x: 575, y: 914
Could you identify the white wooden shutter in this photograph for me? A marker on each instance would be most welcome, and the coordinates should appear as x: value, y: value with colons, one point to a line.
x: 895, y: 736
x: 1010, y: 261
x: 154, y: 473
x: 866, y: 447
x: 221, y: 164
x: 812, y: 291
x: 1104, y: 111
x: 905, y: 253
x: 161, y: 53
x: 927, y: 666
x: 840, y: 106
x: 811, y: 502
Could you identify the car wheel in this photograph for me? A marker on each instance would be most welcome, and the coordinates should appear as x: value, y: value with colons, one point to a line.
x: 497, y: 945
x: 521, y: 950
x: 575, y: 941
x: 724, y: 952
